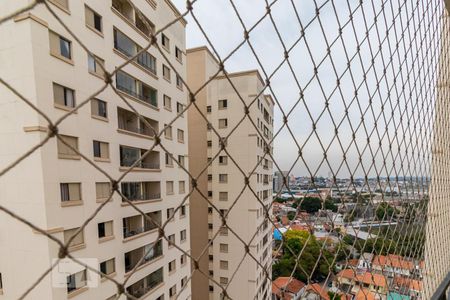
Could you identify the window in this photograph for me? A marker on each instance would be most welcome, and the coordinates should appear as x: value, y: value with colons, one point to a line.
x: 173, y: 291
x: 170, y: 213
x: 76, y: 281
x: 70, y: 191
x: 146, y: 284
x: 135, y: 88
x: 223, y: 280
x: 93, y: 19
x: 1, y: 282
x: 77, y: 241
x: 63, y: 96
x: 94, y: 67
x: 210, y: 177
x: 181, y: 187
x: 180, y: 107
x: 108, y: 267
x: 223, y: 248
x: 183, y: 259
x: 223, y: 104
x: 165, y: 42
x: 210, y: 210
x: 101, y: 150
x: 171, y: 239
x: 99, y: 108
x: 209, y: 144
x: 166, y: 72
x: 210, y: 226
x: 210, y: 194
x: 181, y: 160
x: 223, y: 230
x: 169, y: 160
x: 102, y: 190
x: 224, y: 264
x: 179, y: 82
x: 168, y: 132
x: 183, y: 235
x: 167, y: 102
x: 180, y: 135
x: 105, y: 229
x: 208, y: 108
x: 211, y: 288
x: 65, y: 151
x: 183, y: 281
x: 127, y: 47
x: 223, y: 123
x: 223, y: 196
x: 169, y: 187
x: 223, y: 178
x: 223, y: 160
x: 60, y: 46
x: 179, y: 54
x: 211, y: 257
x: 183, y: 211
x: 172, y: 266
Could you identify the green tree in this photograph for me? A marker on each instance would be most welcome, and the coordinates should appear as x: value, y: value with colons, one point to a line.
x: 385, y: 211
x: 301, y: 242
x: 310, y: 204
x: 329, y: 204
x: 334, y: 296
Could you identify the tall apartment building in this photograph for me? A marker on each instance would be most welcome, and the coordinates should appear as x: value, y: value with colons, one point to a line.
x: 224, y: 182
x: 278, y: 179
x: 54, y: 188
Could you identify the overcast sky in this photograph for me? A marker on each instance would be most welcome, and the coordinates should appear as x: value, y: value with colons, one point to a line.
x: 225, y: 32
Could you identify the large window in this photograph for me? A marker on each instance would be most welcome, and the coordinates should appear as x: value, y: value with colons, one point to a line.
x: 93, y: 19
x: 60, y: 46
x: 146, y: 284
x: 101, y: 150
x: 70, y: 192
x: 64, y: 151
x: 63, y: 96
x: 129, y: 48
x: 99, y: 108
x: 76, y: 281
x: 105, y: 229
x: 136, y: 88
x: 108, y: 267
x: 102, y: 190
x: 77, y: 241
x: 95, y: 65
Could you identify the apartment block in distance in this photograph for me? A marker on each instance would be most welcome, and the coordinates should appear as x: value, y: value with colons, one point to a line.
x: 57, y: 190
x: 224, y: 181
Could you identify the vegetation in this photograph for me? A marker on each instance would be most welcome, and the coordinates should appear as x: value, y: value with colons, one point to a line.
x: 385, y: 211
x: 295, y: 241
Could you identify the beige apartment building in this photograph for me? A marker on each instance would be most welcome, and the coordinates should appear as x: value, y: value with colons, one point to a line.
x: 223, y: 181
x: 54, y: 188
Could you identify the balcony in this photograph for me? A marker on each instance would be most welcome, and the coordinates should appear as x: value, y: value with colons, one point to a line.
x: 136, y: 89
x: 146, y: 284
x: 136, y: 225
x: 141, y: 191
x: 133, y: 16
x: 129, y: 155
x: 146, y: 253
x: 130, y: 123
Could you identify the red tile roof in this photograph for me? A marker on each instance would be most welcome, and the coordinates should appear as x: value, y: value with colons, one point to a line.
x: 290, y: 285
x: 366, y: 277
x: 318, y: 290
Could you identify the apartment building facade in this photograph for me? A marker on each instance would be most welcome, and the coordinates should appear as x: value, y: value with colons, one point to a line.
x: 56, y: 189
x: 223, y: 182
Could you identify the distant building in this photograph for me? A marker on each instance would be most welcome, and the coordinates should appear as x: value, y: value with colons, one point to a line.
x: 278, y: 181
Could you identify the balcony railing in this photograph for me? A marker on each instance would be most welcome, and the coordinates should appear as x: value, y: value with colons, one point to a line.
x: 150, y: 99
x: 143, y: 197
